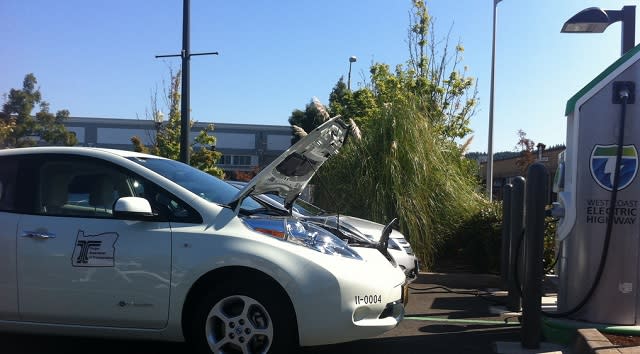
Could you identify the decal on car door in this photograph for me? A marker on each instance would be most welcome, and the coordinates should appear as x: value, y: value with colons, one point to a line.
x: 94, y: 250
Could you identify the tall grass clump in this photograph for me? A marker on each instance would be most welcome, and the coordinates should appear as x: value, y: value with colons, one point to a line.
x: 402, y: 168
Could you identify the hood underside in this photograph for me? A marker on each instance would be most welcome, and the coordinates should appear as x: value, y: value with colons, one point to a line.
x: 290, y: 173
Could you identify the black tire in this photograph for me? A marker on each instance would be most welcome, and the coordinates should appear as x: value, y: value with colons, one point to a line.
x: 234, y: 316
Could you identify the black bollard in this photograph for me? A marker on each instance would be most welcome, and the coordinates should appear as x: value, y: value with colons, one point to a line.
x: 506, y: 228
x: 537, y: 190
x: 514, y: 302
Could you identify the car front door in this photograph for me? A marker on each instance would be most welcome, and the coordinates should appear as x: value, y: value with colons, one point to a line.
x: 78, y: 264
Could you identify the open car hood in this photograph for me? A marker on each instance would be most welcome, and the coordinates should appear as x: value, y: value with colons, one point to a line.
x: 290, y: 173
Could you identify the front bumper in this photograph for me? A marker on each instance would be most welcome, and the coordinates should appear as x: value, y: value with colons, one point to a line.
x: 363, y: 301
x: 408, y: 263
x: 412, y: 274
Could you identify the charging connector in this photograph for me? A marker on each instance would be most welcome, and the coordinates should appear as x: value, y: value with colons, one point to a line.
x: 624, y: 91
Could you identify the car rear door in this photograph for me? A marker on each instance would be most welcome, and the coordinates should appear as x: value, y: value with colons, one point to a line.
x: 9, y: 216
x: 79, y: 265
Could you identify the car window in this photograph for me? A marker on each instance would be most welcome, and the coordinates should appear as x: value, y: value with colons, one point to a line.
x: 8, y: 174
x: 85, y: 187
x: 80, y: 187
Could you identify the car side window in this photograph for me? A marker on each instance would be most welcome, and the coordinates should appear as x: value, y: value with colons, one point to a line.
x: 8, y: 173
x: 80, y: 187
x: 85, y: 187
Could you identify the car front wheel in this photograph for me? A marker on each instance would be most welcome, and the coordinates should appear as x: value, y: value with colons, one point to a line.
x: 240, y: 320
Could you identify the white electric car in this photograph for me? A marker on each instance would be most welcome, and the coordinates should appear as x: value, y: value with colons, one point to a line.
x: 114, y: 243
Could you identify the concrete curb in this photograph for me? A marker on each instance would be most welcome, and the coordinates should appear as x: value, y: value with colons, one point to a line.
x: 591, y: 341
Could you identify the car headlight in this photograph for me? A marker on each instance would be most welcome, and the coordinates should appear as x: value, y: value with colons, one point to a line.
x: 304, y: 234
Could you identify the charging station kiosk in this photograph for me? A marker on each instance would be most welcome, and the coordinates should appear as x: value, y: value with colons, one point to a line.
x: 585, y: 186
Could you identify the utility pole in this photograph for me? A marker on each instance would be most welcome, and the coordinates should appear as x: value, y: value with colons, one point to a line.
x: 493, y: 69
x: 185, y: 109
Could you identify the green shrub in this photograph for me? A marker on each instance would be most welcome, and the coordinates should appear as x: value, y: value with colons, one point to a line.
x: 549, y: 255
x: 476, y: 243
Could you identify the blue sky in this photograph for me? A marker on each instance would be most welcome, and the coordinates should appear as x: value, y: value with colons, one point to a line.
x: 96, y: 58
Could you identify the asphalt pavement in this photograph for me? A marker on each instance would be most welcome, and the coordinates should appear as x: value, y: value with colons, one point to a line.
x: 447, y: 313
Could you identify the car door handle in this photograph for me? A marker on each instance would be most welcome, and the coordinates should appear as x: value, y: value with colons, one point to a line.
x: 38, y: 235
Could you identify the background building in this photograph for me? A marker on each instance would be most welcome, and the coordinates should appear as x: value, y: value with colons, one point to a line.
x: 505, y: 169
x: 244, y: 147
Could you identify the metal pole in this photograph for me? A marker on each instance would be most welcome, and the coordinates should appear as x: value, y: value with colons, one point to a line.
x: 506, y: 229
x: 185, y: 119
x: 349, y: 77
x: 493, y: 67
x: 514, y: 302
x: 352, y: 59
x: 185, y: 103
x: 628, y: 28
x: 537, y: 177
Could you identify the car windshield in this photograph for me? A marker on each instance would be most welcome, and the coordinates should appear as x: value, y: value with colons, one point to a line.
x: 300, y: 206
x: 203, y: 184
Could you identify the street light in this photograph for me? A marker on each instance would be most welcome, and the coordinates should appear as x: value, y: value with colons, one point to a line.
x: 493, y: 67
x: 158, y: 118
x: 596, y: 20
x: 352, y: 59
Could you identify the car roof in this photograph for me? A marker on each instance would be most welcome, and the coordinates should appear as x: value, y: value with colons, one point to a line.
x: 76, y: 150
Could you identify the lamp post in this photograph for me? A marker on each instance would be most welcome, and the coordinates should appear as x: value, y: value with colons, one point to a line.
x: 352, y: 59
x: 158, y: 118
x: 596, y: 20
x: 493, y: 67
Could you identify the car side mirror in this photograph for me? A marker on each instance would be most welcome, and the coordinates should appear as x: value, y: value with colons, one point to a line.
x: 135, y: 208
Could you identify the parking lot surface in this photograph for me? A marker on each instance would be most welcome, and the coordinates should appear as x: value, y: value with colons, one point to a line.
x: 447, y: 313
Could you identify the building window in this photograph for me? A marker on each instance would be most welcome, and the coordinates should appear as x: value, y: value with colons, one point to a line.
x: 235, y: 160
x: 242, y: 160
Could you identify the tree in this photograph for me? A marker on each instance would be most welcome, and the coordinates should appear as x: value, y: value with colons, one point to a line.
x: 20, y: 128
x: 6, y: 129
x: 359, y: 105
x: 166, y: 142
x: 431, y: 75
x: 446, y: 92
x: 527, y: 154
x: 307, y: 120
x: 340, y: 99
